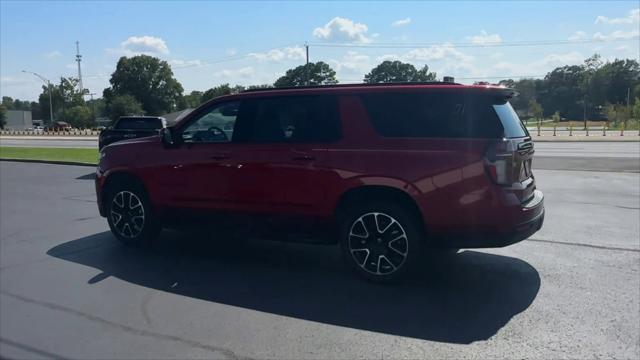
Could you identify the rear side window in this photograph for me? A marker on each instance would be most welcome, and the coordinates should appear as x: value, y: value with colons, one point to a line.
x: 139, y: 124
x: 437, y: 115
x: 290, y: 119
x: 513, y: 127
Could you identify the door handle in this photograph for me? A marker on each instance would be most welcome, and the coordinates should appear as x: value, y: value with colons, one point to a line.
x: 219, y: 156
x: 303, y: 158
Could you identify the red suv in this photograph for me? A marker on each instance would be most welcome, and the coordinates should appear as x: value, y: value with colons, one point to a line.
x: 383, y: 170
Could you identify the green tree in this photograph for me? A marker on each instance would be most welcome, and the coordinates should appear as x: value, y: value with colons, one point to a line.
x: 7, y: 102
x: 3, y: 116
x: 556, y: 117
x: 636, y: 109
x: 192, y: 100
x: 397, y: 71
x: 78, y: 116
x: 318, y: 73
x: 149, y: 80
x: 36, y: 112
x: 63, y: 96
x: 123, y: 105
x: 535, y: 109
x: 214, y: 92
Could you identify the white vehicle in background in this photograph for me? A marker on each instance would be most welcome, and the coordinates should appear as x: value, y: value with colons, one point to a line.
x: 38, y: 129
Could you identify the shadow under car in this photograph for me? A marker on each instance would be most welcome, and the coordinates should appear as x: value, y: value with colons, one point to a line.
x: 455, y: 299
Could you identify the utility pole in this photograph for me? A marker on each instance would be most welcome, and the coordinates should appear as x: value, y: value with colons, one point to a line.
x: 46, y: 81
x: 306, y: 47
x: 78, y: 60
x: 306, y: 67
x: 93, y: 106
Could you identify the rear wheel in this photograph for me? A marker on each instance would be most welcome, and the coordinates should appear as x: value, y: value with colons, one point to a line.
x: 380, y: 241
x: 130, y: 216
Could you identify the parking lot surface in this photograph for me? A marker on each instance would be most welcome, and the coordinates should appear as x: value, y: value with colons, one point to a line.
x: 69, y: 290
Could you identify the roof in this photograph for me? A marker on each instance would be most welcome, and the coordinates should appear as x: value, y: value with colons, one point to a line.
x: 330, y: 86
x: 378, y: 87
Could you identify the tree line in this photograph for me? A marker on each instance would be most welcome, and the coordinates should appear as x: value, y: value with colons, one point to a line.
x: 145, y: 85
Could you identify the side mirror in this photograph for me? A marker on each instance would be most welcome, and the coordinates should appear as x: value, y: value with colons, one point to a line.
x: 167, y: 138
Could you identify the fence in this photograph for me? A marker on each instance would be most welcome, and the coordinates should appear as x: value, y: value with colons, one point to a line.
x: 590, y: 128
x: 75, y: 132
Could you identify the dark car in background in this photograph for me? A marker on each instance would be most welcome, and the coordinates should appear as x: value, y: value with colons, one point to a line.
x: 384, y: 170
x: 131, y: 127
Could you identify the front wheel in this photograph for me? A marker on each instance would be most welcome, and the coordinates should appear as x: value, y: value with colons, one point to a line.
x: 130, y: 216
x: 381, y: 242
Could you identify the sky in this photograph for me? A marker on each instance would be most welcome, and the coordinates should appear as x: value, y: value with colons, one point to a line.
x: 208, y: 43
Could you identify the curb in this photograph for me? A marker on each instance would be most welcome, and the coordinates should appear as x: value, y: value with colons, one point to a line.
x: 53, y: 162
x: 583, y: 140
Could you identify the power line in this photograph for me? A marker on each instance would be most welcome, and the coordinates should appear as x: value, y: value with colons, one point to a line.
x: 472, y: 45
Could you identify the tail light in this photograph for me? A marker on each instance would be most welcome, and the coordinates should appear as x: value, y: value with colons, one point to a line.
x: 499, y: 162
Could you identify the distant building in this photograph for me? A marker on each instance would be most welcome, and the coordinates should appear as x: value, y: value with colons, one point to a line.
x: 18, y: 120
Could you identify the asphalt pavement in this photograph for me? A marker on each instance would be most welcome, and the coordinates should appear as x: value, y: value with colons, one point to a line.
x: 68, y: 289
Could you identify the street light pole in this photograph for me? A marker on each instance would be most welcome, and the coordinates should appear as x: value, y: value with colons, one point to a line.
x: 46, y: 81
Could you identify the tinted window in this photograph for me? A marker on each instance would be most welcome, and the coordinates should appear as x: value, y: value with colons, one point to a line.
x: 290, y: 119
x: 139, y: 124
x: 216, y: 124
x: 431, y: 115
x: 513, y: 127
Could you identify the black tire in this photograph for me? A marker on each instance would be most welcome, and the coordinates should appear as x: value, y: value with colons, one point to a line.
x: 394, y: 254
x: 126, y: 202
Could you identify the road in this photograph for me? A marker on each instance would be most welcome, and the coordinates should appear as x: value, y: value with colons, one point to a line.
x: 69, y: 290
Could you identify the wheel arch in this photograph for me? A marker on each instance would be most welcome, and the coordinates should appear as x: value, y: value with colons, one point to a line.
x: 367, y: 193
x: 119, y: 177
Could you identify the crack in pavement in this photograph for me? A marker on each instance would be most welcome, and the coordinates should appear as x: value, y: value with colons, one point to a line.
x: 603, y: 247
x: 159, y: 336
x: 30, y: 349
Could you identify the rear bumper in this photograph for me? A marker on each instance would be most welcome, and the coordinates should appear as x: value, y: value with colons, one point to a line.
x: 531, y: 215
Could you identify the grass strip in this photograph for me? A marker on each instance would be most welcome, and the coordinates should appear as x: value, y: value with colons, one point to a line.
x: 86, y: 156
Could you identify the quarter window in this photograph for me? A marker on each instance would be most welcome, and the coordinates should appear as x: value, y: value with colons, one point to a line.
x: 431, y: 115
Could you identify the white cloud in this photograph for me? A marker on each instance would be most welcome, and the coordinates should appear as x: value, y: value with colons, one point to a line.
x: 13, y: 81
x: 616, y: 35
x: 52, y: 55
x: 434, y: 52
x: 144, y: 45
x: 232, y: 51
x: 401, y: 22
x: 578, y: 35
x: 623, y: 48
x: 343, y: 29
x: 244, y: 72
x: 186, y: 63
x: 485, y: 39
x: 288, y: 53
x: 540, y: 66
x: 352, y: 62
x: 633, y: 17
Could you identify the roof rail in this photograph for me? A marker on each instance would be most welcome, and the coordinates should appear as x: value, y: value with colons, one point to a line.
x: 353, y: 85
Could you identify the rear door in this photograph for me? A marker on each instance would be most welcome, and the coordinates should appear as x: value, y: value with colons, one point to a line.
x: 281, y: 151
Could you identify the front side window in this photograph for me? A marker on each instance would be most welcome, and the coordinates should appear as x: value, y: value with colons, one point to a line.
x: 213, y: 126
x: 290, y: 119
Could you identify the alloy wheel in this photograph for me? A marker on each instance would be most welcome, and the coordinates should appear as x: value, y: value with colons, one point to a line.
x: 127, y: 214
x: 378, y: 243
